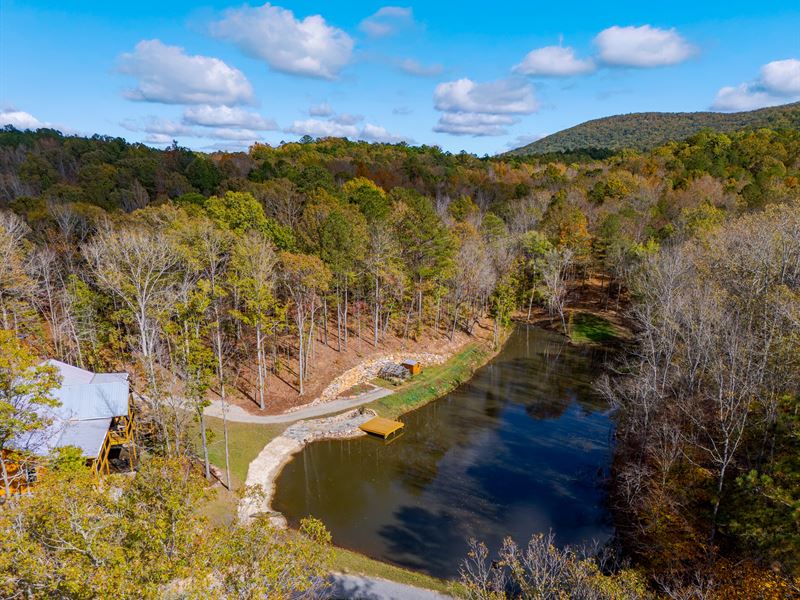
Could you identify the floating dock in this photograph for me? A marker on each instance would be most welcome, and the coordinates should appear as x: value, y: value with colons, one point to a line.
x: 384, y: 428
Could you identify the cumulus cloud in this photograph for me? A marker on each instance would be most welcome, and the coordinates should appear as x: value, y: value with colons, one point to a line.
x: 347, y: 119
x: 376, y: 133
x: 20, y: 119
x: 158, y: 139
x: 743, y: 97
x: 330, y: 128
x: 320, y: 110
x: 167, y: 74
x: 643, y: 47
x: 322, y: 128
x: 387, y: 21
x: 778, y: 83
x: 226, y: 116
x: 156, y: 126
x: 474, y: 124
x: 413, y: 67
x: 225, y: 133
x: 209, y: 125
x: 554, y: 61
x: 782, y: 77
x: 308, y: 47
x: 505, y: 96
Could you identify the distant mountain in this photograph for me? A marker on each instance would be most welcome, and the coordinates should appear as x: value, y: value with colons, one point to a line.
x: 643, y: 131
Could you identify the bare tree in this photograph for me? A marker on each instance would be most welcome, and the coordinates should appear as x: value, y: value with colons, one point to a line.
x: 554, y: 276
x: 137, y: 264
x: 15, y: 285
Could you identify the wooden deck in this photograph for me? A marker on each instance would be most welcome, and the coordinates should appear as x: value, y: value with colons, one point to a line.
x: 382, y: 427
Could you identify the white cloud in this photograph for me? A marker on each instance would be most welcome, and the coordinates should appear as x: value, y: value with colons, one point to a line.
x: 402, y: 110
x: 347, y: 119
x: 163, y: 131
x: 779, y: 83
x: 225, y: 116
x: 643, y: 46
x: 308, y: 47
x: 413, y: 67
x: 320, y: 128
x: 320, y: 110
x: 158, y: 139
x: 330, y: 128
x: 167, y: 74
x: 782, y: 77
x: 225, y: 133
x: 20, y: 119
x: 554, y: 61
x: 505, y: 96
x: 157, y: 126
x: 745, y: 96
x: 387, y: 21
x: 474, y: 124
x: 376, y: 133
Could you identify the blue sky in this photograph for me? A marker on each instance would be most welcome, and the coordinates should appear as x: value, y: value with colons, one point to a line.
x: 481, y: 77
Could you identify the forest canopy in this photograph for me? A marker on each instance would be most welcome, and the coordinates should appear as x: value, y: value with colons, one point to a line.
x: 187, y: 268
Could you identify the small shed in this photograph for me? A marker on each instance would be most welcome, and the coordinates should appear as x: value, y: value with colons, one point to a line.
x: 412, y: 366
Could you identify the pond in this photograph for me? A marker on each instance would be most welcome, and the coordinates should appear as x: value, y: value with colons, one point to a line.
x: 523, y: 447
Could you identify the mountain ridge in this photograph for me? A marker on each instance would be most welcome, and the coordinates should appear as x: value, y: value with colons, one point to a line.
x: 647, y: 130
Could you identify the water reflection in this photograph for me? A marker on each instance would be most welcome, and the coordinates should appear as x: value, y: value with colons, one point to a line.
x: 522, y: 447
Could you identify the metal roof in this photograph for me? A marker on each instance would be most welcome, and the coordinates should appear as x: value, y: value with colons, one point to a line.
x: 89, y: 401
x: 85, y: 395
x: 86, y: 435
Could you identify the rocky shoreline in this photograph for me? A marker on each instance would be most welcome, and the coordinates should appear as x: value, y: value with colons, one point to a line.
x: 264, y: 469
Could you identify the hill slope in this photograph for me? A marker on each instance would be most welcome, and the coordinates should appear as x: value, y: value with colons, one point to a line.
x: 643, y: 131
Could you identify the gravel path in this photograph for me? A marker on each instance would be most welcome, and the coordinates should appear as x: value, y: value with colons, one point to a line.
x: 240, y: 415
x: 370, y: 588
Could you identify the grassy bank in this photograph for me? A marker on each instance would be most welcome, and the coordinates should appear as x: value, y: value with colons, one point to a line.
x: 347, y: 561
x: 587, y: 328
x: 245, y: 441
x: 434, y: 382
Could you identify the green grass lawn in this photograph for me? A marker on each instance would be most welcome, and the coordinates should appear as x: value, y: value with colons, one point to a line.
x: 434, y: 381
x: 586, y: 328
x: 245, y: 441
x: 347, y: 561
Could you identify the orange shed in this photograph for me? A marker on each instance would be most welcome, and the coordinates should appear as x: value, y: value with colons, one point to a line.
x: 412, y: 366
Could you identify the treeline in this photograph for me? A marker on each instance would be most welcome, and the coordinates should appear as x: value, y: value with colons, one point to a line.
x: 187, y: 267
x: 708, y: 438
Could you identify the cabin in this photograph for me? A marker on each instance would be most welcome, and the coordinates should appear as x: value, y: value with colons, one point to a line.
x: 95, y: 415
x: 412, y: 366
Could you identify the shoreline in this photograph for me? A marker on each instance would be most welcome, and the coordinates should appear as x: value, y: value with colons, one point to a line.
x: 264, y: 470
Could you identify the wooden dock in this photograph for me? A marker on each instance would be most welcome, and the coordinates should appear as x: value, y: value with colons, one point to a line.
x: 384, y: 428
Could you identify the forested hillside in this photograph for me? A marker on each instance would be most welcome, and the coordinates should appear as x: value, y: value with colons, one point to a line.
x: 645, y: 131
x: 184, y: 267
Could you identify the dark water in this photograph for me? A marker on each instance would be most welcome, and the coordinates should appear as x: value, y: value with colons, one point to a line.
x: 521, y: 448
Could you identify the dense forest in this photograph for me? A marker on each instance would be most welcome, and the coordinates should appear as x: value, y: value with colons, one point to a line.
x: 645, y: 131
x: 178, y: 265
